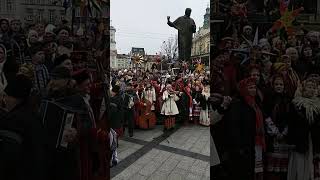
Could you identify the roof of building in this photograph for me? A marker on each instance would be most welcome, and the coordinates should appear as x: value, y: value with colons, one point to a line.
x: 139, y: 51
x: 123, y: 56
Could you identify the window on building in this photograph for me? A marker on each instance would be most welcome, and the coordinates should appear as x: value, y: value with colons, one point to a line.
x: 40, y: 15
x: 9, y: 5
x: 77, y: 12
x: 51, y: 16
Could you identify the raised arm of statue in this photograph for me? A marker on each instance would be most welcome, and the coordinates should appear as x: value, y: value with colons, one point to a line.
x: 171, y: 24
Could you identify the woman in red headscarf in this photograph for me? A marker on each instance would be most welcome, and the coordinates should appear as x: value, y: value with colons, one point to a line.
x: 244, y: 124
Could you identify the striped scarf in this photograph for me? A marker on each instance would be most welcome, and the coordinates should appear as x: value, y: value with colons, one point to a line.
x: 41, y: 78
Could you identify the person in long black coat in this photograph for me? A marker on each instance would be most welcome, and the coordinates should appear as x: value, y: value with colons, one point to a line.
x: 183, y: 103
x: 129, y: 97
x: 116, y: 111
x: 22, y: 143
x: 245, y: 134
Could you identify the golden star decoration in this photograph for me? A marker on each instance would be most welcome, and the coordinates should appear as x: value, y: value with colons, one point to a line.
x: 200, y: 67
x: 138, y: 59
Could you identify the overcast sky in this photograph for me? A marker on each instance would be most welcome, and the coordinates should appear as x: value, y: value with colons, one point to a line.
x: 143, y: 23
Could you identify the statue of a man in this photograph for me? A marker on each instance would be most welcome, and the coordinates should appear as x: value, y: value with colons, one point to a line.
x: 186, y: 27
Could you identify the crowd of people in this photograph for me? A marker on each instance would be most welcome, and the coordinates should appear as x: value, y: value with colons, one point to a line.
x: 267, y: 124
x: 45, y: 71
x: 181, y: 98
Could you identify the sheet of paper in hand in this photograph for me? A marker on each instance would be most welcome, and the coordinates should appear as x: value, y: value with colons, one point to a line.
x: 56, y: 119
x: 67, y: 125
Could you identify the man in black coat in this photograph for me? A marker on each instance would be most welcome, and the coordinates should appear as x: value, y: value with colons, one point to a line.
x: 129, y: 97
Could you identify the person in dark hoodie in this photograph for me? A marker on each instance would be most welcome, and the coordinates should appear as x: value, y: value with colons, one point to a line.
x: 22, y: 147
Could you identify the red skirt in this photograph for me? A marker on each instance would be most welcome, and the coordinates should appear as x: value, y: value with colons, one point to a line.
x: 169, y: 122
x: 119, y: 132
x: 196, y: 111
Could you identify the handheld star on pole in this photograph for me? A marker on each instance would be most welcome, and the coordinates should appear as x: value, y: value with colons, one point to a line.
x: 286, y: 20
x: 138, y: 59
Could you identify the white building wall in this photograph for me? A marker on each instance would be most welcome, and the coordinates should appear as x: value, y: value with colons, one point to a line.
x: 113, y: 49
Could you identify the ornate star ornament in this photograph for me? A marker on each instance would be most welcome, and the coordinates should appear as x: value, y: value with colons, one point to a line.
x: 286, y: 20
x: 138, y: 59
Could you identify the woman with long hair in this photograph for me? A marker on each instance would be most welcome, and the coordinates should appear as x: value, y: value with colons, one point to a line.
x: 276, y: 106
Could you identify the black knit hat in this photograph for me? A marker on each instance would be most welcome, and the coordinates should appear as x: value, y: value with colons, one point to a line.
x: 115, y: 89
x: 20, y: 87
x: 59, y: 60
x: 81, y: 76
x: 60, y: 72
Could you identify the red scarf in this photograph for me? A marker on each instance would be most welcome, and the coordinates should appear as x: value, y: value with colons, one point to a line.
x: 250, y: 100
x: 188, y: 92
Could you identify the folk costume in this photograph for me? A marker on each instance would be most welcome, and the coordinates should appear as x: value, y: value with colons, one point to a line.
x: 246, y: 142
x: 196, y: 96
x: 169, y: 107
x: 304, y: 134
x: 276, y: 107
x: 149, y: 94
x: 205, y: 106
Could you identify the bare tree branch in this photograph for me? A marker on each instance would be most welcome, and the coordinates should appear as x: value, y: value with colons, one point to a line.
x: 169, y: 48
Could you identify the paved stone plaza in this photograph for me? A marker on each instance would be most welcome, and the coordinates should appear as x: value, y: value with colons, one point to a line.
x: 152, y: 154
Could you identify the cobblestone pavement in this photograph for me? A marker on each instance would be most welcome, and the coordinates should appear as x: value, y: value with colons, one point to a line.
x: 151, y: 154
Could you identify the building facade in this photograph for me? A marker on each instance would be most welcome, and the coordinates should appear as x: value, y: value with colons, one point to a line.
x: 49, y: 11
x: 113, y: 49
x: 124, y: 61
x: 201, y: 41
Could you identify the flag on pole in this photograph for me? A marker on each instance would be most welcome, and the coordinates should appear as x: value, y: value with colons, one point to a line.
x: 256, y: 38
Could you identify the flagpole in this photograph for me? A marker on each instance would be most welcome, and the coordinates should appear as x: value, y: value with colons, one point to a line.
x: 73, y: 16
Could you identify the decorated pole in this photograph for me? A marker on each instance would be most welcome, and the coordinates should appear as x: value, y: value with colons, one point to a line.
x: 73, y: 16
